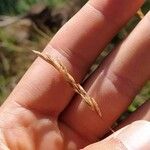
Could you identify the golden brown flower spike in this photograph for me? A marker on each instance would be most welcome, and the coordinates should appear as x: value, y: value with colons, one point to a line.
x: 76, y: 86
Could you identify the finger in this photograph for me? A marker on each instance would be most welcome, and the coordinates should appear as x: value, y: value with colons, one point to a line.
x: 142, y: 113
x: 76, y: 45
x: 133, y: 137
x: 114, y: 85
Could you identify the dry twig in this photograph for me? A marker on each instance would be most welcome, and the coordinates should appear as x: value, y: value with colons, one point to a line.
x: 140, y: 14
x: 7, y: 20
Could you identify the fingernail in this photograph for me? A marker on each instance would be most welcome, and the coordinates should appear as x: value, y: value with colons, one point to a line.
x: 136, y: 136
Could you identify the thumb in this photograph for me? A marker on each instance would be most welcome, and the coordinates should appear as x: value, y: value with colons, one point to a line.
x: 135, y: 136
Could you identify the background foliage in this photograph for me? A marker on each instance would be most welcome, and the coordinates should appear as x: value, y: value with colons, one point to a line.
x: 14, y: 7
x: 17, y: 39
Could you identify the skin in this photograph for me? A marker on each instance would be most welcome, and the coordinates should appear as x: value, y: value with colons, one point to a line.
x: 42, y: 111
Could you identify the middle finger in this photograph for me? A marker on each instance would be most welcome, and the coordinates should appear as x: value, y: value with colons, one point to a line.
x: 114, y: 85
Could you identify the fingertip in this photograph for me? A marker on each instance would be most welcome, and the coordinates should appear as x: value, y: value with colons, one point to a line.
x: 135, y: 136
x: 148, y: 15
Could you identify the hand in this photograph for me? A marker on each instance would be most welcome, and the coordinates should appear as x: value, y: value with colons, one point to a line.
x: 42, y: 112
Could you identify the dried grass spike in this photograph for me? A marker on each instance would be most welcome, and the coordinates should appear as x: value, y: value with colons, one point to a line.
x: 76, y: 86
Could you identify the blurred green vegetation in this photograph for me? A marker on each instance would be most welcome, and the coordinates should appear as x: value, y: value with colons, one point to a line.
x: 15, y: 7
x: 18, y: 39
